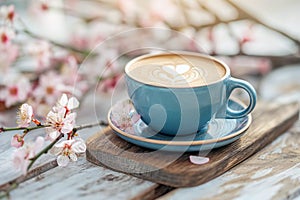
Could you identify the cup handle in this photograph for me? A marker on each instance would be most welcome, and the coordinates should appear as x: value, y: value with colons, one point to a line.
x: 234, y: 83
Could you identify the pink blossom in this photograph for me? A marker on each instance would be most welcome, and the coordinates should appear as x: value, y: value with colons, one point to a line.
x: 80, y: 38
x: 107, y: 69
x: 110, y: 70
x: 9, y: 53
x: 41, y: 5
x: 16, y: 89
x: 108, y: 62
x: 248, y: 35
x: 8, y: 12
x: 88, y: 36
x: 158, y: 9
x: 40, y: 108
x: 109, y: 84
x: 25, y: 115
x: 157, y: 14
x: 17, y: 141
x: 124, y: 115
x: 6, y: 35
x: 129, y: 8
x: 22, y: 156
x: 74, y: 81
x: 67, y: 150
x: 49, y: 88
x: 41, y: 52
x: 68, y: 104
x: 244, y: 65
x: 60, y: 122
x: 60, y: 119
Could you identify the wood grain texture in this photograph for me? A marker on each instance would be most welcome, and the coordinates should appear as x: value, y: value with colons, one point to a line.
x: 271, y: 174
x: 174, y: 169
x: 83, y: 181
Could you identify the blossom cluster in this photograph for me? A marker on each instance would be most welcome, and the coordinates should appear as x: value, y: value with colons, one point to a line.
x: 60, y: 123
x: 37, y: 70
x: 124, y: 116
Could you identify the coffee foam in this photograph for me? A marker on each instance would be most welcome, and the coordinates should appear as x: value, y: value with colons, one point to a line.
x: 176, y: 70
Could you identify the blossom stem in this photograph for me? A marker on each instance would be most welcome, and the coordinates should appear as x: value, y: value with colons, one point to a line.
x: 100, y: 123
x: 76, y: 14
x: 25, y: 129
x: 65, y: 46
x: 5, y: 193
x: 45, y: 150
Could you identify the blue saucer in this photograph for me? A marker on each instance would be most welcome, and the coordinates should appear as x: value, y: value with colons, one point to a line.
x: 220, y: 132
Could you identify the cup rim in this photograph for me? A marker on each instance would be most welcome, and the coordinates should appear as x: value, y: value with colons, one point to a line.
x: 182, y: 53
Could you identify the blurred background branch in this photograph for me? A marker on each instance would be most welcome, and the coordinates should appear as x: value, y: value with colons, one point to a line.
x: 46, y: 45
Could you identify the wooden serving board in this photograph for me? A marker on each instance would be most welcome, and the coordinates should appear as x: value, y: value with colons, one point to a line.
x: 174, y: 169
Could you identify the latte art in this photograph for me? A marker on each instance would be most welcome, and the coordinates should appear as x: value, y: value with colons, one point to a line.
x: 176, y: 74
x: 175, y: 70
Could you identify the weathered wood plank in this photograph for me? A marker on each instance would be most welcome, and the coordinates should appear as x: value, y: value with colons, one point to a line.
x: 82, y: 180
x: 273, y: 173
x: 174, y: 169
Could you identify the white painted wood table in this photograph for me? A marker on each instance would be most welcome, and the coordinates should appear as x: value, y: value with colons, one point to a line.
x: 272, y: 173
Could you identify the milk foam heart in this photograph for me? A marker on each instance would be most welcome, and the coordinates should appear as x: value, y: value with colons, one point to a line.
x: 175, y: 74
x: 171, y: 70
x: 177, y: 69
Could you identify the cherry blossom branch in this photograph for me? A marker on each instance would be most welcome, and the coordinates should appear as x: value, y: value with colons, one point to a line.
x: 47, y: 148
x: 64, y: 46
x: 25, y: 129
x: 76, y: 14
x: 27, y: 31
x: 44, y: 151
x: 101, y: 123
x: 6, y: 188
x: 277, y: 61
x: 256, y: 20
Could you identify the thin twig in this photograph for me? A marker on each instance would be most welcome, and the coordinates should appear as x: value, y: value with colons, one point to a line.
x: 76, y: 14
x: 257, y: 20
x: 65, y: 46
x: 207, y: 9
x: 25, y: 129
x: 45, y: 150
x: 277, y: 61
x: 27, y: 31
x: 101, y: 123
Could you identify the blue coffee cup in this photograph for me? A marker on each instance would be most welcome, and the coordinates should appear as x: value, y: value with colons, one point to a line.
x: 186, y: 106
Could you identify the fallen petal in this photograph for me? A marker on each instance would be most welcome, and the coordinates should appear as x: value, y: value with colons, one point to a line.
x: 199, y: 160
